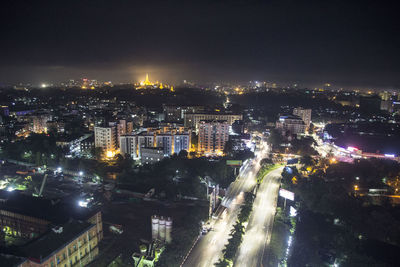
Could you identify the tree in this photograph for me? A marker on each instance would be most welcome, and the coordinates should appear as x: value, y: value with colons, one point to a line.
x: 183, y: 154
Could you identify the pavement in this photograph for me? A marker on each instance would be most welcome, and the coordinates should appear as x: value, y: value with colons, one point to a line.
x: 252, y: 251
x: 208, y: 249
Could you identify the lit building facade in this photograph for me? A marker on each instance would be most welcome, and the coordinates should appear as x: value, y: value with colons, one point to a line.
x: 304, y: 114
x: 192, y: 119
x: 105, y: 137
x: 290, y: 124
x: 165, y: 141
x: 39, y: 122
x: 181, y: 142
x: 145, y: 139
x: 175, y: 113
x: 31, y: 220
x: 151, y: 154
x: 128, y: 145
x: 212, y: 137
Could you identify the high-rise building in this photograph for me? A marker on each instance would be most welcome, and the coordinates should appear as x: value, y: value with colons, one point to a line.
x: 105, y: 137
x: 291, y: 124
x: 165, y: 141
x: 192, y: 119
x: 304, y: 114
x: 168, y: 140
x: 145, y: 139
x: 125, y: 127
x: 39, y: 122
x: 128, y: 145
x: 176, y: 113
x: 212, y: 136
x: 181, y: 142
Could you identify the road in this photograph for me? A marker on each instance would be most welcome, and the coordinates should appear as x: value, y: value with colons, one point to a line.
x: 258, y: 232
x: 208, y: 249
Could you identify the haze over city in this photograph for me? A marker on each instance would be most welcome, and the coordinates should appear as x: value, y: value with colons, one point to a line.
x: 345, y: 43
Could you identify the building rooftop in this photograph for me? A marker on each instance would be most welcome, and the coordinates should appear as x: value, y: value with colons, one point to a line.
x: 10, y: 260
x: 215, y: 121
x: 55, y: 211
x: 40, y: 249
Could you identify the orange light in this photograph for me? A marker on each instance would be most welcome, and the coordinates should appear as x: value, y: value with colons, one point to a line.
x: 110, y: 154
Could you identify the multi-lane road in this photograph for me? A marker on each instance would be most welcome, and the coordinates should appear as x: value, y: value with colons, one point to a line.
x: 251, y: 252
x: 208, y: 249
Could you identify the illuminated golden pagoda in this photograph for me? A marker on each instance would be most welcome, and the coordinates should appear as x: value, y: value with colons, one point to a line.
x: 146, y: 81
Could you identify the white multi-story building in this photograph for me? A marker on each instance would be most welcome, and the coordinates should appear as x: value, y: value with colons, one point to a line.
x: 192, y: 119
x: 212, y: 137
x: 181, y: 142
x: 304, y: 114
x: 165, y: 141
x: 145, y: 139
x: 105, y: 137
x: 128, y: 145
x: 292, y: 124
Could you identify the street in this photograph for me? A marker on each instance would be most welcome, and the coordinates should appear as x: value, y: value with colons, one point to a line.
x: 209, y: 248
x: 258, y: 231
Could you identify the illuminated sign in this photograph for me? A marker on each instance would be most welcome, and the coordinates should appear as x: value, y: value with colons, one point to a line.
x: 390, y: 155
x: 234, y: 162
x: 352, y: 149
x: 286, y: 194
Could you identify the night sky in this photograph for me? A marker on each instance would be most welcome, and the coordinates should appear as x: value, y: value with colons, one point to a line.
x: 347, y: 43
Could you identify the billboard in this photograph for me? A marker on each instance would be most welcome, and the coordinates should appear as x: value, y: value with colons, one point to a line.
x: 234, y: 162
x: 286, y: 194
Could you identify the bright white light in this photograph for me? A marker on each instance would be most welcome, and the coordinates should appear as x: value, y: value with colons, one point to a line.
x: 59, y: 169
x: 293, y: 212
x: 286, y: 194
x: 10, y: 189
x: 390, y: 155
x: 352, y: 149
x: 81, y: 173
x: 83, y: 203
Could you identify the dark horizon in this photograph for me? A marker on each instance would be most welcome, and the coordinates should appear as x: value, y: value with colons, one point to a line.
x: 348, y: 44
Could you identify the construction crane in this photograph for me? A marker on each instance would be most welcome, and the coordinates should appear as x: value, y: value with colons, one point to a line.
x: 39, y: 194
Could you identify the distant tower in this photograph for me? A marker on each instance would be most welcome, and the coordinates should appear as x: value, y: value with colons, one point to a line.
x: 154, y: 227
x: 147, y: 81
x: 168, y: 229
x: 161, y: 228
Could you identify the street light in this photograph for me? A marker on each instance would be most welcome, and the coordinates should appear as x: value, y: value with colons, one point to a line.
x: 81, y: 173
